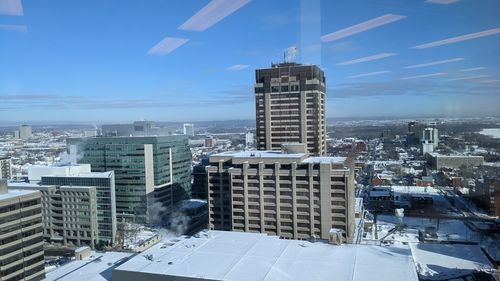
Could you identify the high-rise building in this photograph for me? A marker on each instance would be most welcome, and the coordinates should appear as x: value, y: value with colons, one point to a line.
x: 290, y: 107
x: 21, y: 240
x: 5, y: 168
x: 136, y: 129
x: 249, y: 139
x: 189, y: 129
x: 152, y: 174
x: 69, y: 213
x: 25, y: 132
x: 81, y: 175
x: 431, y: 135
x: 414, y: 133
x: 285, y: 193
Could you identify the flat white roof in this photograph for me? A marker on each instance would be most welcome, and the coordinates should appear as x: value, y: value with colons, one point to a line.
x: 221, y: 255
x: 91, y: 269
x: 12, y: 193
x: 36, y: 186
x: 325, y: 159
x: 260, y: 154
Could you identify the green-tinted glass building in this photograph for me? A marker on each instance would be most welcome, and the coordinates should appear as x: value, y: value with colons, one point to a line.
x: 152, y: 174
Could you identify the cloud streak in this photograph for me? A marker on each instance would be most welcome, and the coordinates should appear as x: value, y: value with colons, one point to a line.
x: 424, y: 76
x: 434, y: 63
x: 364, y: 26
x: 237, y: 67
x: 212, y: 13
x: 370, y: 74
x: 14, y: 28
x: 457, y: 39
x: 468, y: 78
x: 11, y: 7
x: 167, y: 45
x: 369, y: 58
x: 442, y: 2
x: 473, y: 69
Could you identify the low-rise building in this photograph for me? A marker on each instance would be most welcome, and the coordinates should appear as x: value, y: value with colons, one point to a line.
x: 5, y: 168
x: 285, y: 193
x: 69, y: 213
x: 438, y: 161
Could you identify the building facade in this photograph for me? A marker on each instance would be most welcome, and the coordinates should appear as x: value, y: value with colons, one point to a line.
x: 25, y: 132
x: 188, y: 129
x: 69, y: 213
x: 21, y: 230
x: 104, y: 183
x: 152, y: 174
x: 5, y: 168
x: 290, y: 107
x: 438, y: 161
x: 285, y: 193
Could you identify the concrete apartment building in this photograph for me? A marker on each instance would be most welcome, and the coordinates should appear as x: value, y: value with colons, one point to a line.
x: 25, y: 132
x: 69, y: 213
x: 438, y: 161
x: 81, y: 175
x: 5, y: 168
x: 487, y: 194
x: 152, y: 174
x: 285, y: 193
x: 21, y: 241
x: 290, y: 107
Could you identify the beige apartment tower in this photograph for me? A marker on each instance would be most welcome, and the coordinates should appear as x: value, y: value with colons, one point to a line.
x: 285, y: 193
x: 290, y: 107
x: 21, y: 241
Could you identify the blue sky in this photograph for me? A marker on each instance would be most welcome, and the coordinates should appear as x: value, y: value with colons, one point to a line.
x: 123, y: 60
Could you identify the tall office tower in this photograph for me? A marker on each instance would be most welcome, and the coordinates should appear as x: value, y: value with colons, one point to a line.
x: 5, y: 168
x: 69, y: 213
x: 81, y: 175
x: 290, y: 107
x: 152, y: 174
x: 25, y: 132
x: 414, y: 133
x: 21, y: 247
x: 189, y: 129
x: 431, y: 135
x: 287, y: 193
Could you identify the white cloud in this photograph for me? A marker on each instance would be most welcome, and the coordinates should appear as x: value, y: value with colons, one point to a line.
x: 434, y: 63
x: 11, y: 7
x: 468, y: 77
x: 15, y: 28
x: 459, y: 38
x: 237, y: 67
x: 423, y: 76
x: 442, y: 2
x: 491, y: 81
x: 212, y: 13
x: 370, y: 74
x: 473, y: 69
x: 167, y: 45
x: 364, y: 26
x: 369, y: 58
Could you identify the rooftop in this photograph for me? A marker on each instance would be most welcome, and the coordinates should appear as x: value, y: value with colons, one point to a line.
x: 325, y: 159
x: 224, y: 255
x: 260, y: 154
x: 96, y: 268
x: 12, y: 193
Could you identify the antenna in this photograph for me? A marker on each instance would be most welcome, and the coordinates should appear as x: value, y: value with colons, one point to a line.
x: 289, y: 54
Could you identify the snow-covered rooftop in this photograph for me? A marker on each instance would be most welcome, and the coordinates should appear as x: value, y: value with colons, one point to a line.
x: 96, y: 268
x: 220, y: 255
x: 260, y: 154
x: 12, y: 193
x: 325, y: 159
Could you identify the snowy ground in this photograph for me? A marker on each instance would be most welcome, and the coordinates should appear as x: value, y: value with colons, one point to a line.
x: 494, y: 133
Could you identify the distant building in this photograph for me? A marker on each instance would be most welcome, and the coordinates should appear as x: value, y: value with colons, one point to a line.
x: 16, y: 134
x: 5, y: 168
x: 430, y: 140
x: 487, y: 194
x: 438, y: 161
x: 90, y: 133
x: 210, y: 141
x: 25, y: 132
x: 69, y: 213
x: 227, y: 255
x: 152, y: 174
x: 290, y: 107
x: 81, y: 175
x: 249, y: 139
x: 285, y: 193
x: 414, y: 134
x: 188, y: 129
x: 137, y: 128
x: 21, y: 240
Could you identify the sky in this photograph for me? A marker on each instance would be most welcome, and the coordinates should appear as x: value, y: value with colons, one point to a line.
x: 102, y: 61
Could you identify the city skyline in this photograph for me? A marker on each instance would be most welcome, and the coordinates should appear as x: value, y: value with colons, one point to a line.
x: 118, y: 62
